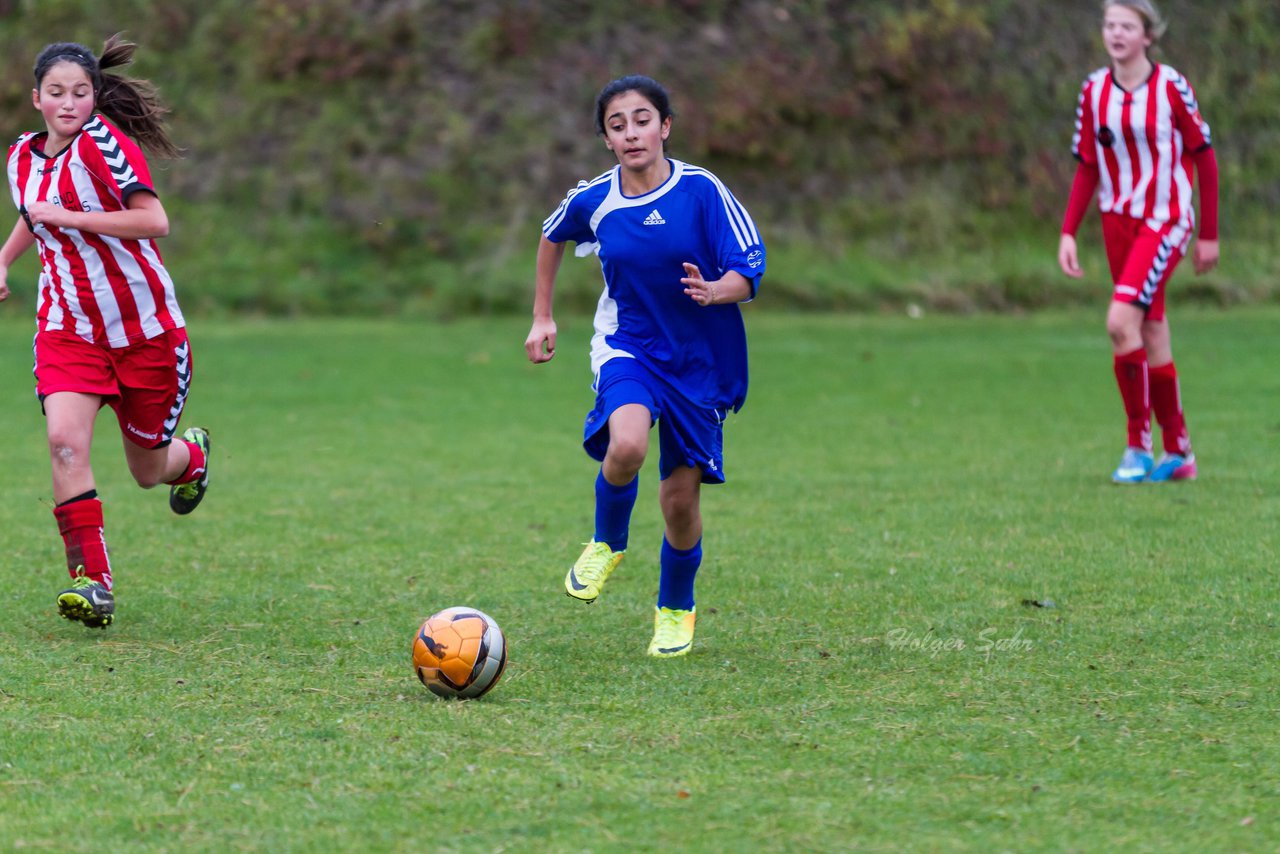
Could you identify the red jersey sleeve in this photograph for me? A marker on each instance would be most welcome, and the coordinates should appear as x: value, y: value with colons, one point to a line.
x: 11, y: 168
x: 1082, y: 142
x: 1082, y: 188
x: 1207, y: 176
x: 115, y: 160
x: 1186, y: 115
x: 20, y: 166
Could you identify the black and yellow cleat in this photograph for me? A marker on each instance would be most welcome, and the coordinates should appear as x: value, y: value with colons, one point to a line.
x: 672, y: 632
x: 184, y: 497
x: 88, y: 602
x: 592, y: 569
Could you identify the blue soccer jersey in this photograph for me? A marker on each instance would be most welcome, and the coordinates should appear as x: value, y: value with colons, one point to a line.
x: 643, y: 242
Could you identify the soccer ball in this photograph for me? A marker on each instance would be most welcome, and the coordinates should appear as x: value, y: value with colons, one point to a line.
x: 459, y: 652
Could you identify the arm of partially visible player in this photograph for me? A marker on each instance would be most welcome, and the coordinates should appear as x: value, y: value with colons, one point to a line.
x: 1206, y: 253
x: 1086, y: 181
x: 20, y: 240
x: 541, y: 343
x: 143, y: 218
x: 1197, y: 138
x: 732, y: 287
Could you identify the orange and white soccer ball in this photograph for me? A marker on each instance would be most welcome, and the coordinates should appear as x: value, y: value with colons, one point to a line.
x: 459, y: 652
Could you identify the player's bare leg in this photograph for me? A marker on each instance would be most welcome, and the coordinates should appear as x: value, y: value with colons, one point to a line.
x: 69, y: 420
x: 629, y: 427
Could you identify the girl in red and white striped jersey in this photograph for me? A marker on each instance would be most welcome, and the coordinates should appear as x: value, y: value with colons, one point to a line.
x: 108, y: 329
x: 1139, y: 137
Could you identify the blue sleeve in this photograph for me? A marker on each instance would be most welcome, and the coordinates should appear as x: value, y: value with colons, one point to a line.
x: 737, y: 241
x: 570, y: 221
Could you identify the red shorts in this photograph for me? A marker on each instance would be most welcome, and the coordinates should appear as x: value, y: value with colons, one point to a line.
x: 1142, y: 260
x: 145, y: 383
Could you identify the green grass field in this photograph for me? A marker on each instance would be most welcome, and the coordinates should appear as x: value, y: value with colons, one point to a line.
x: 872, y: 670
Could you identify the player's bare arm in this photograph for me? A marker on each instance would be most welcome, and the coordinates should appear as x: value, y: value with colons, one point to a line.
x: 20, y: 240
x: 143, y: 218
x: 540, y: 345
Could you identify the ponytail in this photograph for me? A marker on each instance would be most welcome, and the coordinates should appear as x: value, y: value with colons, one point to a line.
x: 132, y: 104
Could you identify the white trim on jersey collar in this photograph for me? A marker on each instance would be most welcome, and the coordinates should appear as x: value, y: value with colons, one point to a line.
x: 615, y: 200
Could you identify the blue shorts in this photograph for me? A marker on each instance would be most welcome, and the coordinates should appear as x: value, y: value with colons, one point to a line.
x: 688, y: 434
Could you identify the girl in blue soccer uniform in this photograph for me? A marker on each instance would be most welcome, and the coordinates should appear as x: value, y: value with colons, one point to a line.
x: 678, y: 253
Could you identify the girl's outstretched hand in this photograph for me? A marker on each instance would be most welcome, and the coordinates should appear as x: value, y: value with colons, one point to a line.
x: 700, y: 291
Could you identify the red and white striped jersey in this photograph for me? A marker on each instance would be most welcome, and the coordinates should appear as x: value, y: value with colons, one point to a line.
x: 1142, y: 143
x: 109, y: 291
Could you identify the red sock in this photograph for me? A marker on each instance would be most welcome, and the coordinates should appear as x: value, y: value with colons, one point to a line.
x: 195, y: 466
x: 1166, y: 402
x: 1131, y: 376
x: 80, y: 524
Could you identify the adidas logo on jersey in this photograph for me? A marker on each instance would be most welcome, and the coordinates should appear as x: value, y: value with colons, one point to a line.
x: 654, y: 218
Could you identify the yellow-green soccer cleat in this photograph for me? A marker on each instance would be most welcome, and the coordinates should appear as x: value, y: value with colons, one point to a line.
x: 672, y: 632
x: 88, y: 602
x: 184, y: 497
x: 588, y: 574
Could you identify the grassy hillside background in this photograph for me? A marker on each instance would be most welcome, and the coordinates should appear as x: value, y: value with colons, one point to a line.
x: 397, y: 156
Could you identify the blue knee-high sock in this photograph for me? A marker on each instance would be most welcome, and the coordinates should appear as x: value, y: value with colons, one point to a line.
x: 613, y: 511
x: 679, y: 568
